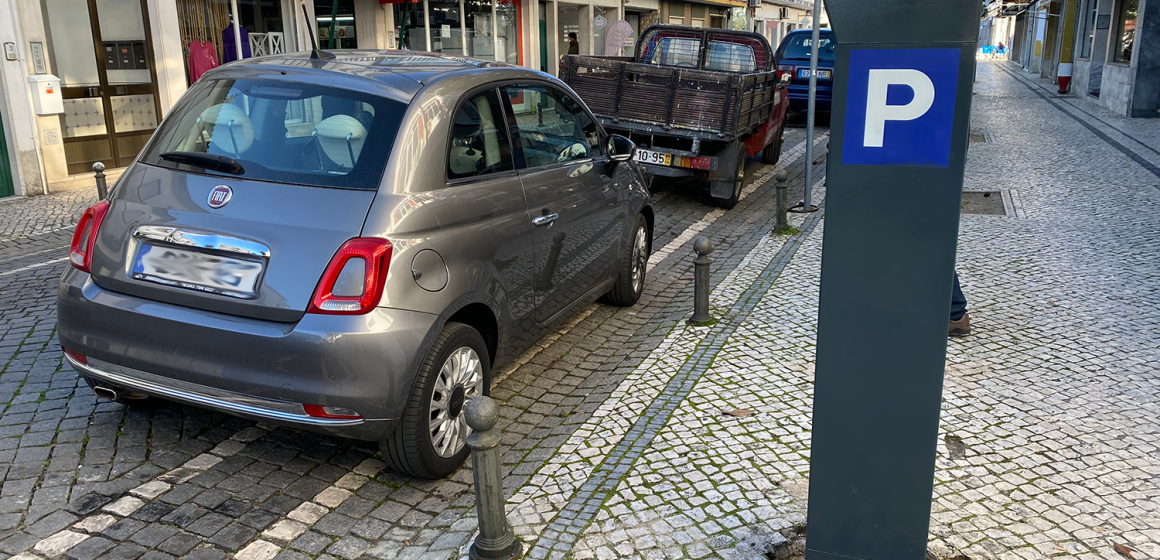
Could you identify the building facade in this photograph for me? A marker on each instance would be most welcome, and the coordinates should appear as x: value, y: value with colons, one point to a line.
x: 87, y: 81
x: 776, y: 18
x: 1112, y: 46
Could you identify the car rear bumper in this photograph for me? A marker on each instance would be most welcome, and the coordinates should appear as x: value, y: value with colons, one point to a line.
x: 799, y: 96
x: 253, y: 368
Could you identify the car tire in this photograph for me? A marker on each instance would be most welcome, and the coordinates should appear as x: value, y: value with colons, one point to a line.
x: 630, y: 277
x: 738, y: 183
x: 456, y: 369
x: 772, y: 153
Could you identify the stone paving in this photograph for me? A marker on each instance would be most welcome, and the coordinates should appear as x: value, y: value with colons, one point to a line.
x: 617, y: 442
x: 22, y: 217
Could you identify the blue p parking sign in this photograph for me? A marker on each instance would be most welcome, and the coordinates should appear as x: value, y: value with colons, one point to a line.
x: 900, y: 106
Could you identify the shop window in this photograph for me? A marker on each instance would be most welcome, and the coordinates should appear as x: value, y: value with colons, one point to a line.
x: 602, y: 19
x: 507, y: 40
x: 479, y: 143
x: 568, y: 21
x: 460, y: 27
x: 204, y: 24
x: 1125, y: 37
x: 341, y: 21
x: 1089, y: 31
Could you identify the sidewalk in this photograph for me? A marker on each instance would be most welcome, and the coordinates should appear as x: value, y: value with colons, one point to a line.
x: 1054, y: 398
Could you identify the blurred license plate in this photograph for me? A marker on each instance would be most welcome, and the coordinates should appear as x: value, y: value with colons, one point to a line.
x: 805, y: 73
x: 192, y: 270
x: 654, y: 158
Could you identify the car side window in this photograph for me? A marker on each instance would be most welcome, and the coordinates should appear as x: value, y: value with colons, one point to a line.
x: 479, y: 140
x: 552, y: 127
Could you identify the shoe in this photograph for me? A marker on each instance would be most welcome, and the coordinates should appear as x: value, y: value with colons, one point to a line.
x: 962, y: 327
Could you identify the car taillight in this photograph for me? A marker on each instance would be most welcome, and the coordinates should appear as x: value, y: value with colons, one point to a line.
x: 353, y: 281
x: 785, y: 68
x: 76, y: 356
x: 80, y: 252
x: 333, y: 412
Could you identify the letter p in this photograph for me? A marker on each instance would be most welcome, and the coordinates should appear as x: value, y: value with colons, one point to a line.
x: 878, y: 112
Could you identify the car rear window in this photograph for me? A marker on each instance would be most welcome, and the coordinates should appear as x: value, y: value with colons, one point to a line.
x: 798, y: 46
x: 281, y: 131
x: 730, y: 57
x: 674, y: 51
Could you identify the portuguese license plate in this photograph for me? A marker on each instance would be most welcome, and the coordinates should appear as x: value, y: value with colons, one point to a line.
x: 653, y: 158
x: 197, y: 271
x: 805, y: 73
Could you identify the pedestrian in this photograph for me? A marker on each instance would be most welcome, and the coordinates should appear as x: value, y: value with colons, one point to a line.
x: 573, y: 44
x: 960, y: 320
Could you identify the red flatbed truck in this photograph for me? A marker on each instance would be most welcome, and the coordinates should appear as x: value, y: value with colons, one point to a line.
x: 696, y: 101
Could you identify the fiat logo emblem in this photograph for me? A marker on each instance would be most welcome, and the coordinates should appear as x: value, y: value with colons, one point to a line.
x: 220, y: 196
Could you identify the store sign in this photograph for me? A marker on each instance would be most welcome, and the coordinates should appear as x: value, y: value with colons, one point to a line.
x: 599, y: 22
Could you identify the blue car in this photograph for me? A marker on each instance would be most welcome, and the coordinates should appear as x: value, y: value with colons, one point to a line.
x: 793, y: 57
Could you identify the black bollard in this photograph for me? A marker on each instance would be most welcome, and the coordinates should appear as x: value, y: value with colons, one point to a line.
x: 102, y: 189
x: 701, y: 263
x: 496, y: 539
x: 782, y: 200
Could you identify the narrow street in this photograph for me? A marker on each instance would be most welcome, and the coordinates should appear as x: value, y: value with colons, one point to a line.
x: 616, y: 438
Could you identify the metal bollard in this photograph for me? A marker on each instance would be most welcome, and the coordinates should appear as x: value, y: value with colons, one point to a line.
x: 782, y: 201
x: 701, y: 263
x: 496, y: 539
x: 102, y: 189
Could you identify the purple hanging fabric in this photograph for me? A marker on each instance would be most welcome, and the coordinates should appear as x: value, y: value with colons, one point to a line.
x: 229, y: 51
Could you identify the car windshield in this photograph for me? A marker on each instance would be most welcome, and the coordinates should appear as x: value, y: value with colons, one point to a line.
x: 288, y: 132
x: 799, y: 45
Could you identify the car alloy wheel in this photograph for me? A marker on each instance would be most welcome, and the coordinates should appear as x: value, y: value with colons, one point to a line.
x: 459, y: 380
x: 639, y: 258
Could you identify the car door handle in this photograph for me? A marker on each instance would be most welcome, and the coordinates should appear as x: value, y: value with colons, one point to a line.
x: 545, y: 219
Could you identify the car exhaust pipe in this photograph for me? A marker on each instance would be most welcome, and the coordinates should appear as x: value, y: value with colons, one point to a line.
x: 105, y: 393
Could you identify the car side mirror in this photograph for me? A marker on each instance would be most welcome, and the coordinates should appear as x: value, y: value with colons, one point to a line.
x: 620, y: 148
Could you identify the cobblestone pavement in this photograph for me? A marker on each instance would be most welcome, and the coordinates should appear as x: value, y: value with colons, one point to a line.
x: 615, y: 441
x: 25, y: 217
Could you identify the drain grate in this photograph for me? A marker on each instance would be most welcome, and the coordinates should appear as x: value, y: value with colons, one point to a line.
x: 988, y: 203
x: 977, y: 138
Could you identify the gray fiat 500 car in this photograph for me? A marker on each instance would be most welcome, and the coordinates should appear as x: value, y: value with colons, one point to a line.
x: 352, y: 244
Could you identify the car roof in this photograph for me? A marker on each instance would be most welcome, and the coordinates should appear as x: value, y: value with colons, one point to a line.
x: 399, y: 74
x: 810, y: 30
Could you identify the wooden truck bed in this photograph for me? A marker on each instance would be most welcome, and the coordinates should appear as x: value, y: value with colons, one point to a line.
x: 672, y: 100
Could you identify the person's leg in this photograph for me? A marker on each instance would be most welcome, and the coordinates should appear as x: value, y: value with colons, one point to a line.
x: 960, y: 323
x: 958, y: 301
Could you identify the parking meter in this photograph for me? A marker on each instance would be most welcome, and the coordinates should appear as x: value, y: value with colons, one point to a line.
x: 899, y: 129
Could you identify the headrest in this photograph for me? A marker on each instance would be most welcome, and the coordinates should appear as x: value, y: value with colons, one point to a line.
x: 233, y: 133
x: 341, y: 138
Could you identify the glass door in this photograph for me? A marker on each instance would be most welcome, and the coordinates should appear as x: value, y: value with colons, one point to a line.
x: 102, y: 52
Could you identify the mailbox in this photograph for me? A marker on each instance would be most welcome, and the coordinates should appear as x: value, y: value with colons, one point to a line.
x: 46, y: 98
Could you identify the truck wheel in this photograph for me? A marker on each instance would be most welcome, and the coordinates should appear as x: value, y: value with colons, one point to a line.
x: 430, y: 440
x: 772, y: 153
x: 738, y: 183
